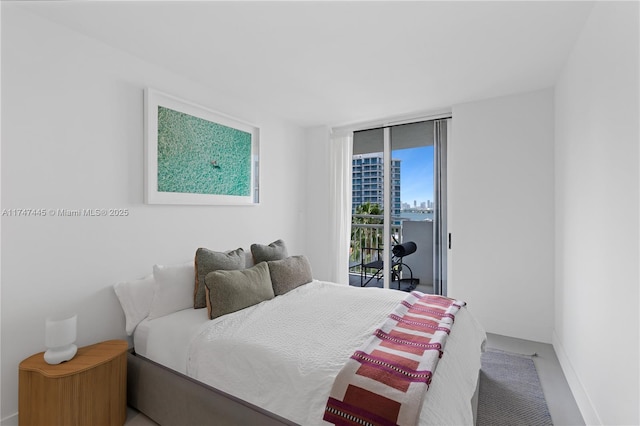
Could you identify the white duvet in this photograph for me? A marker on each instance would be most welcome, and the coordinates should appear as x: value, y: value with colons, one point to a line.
x: 283, y: 354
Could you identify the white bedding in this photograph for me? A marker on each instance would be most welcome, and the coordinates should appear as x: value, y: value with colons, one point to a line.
x: 283, y: 354
x: 165, y: 339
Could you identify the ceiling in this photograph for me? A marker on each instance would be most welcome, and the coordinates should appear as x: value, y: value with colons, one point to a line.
x: 335, y: 63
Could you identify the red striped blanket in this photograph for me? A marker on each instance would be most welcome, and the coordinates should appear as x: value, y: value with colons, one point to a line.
x: 384, y: 381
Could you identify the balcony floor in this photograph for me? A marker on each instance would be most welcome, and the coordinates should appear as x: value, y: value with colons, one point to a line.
x: 354, y: 280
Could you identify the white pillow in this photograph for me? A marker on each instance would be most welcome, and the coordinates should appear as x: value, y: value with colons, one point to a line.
x: 173, y: 289
x: 135, y: 298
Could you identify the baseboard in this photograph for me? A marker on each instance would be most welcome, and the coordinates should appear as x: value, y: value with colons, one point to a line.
x: 589, y: 413
x: 11, y: 420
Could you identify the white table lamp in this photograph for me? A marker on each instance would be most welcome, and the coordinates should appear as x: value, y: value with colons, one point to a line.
x: 60, y: 335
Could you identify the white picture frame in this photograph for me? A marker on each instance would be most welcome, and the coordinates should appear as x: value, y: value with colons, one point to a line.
x: 194, y: 155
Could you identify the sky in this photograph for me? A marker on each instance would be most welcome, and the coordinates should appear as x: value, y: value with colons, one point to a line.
x: 416, y: 174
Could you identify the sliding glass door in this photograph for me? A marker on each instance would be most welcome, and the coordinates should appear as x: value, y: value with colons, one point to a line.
x: 367, y: 220
x: 398, y: 207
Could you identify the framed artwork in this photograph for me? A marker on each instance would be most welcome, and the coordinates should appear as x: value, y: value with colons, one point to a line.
x: 197, y: 156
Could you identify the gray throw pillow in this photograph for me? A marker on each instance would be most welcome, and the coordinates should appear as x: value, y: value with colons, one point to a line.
x: 208, y: 261
x: 289, y: 273
x: 231, y: 291
x: 274, y: 251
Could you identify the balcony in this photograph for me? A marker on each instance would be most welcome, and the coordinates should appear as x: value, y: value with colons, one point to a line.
x: 367, y: 245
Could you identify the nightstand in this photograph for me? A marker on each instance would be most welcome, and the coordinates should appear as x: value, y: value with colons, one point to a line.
x: 90, y: 389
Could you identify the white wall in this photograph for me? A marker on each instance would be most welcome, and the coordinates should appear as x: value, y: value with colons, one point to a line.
x: 421, y: 262
x: 501, y: 193
x: 72, y: 137
x: 597, y: 192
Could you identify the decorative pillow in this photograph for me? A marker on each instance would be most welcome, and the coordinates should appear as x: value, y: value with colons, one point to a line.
x: 289, y: 273
x: 248, y: 259
x: 274, y: 251
x: 209, y: 261
x: 135, y: 298
x: 173, y: 289
x: 231, y: 291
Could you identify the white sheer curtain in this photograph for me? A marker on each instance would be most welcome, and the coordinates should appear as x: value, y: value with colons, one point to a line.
x: 340, y: 157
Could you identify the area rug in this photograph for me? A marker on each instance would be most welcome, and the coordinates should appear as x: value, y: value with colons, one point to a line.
x: 510, y: 391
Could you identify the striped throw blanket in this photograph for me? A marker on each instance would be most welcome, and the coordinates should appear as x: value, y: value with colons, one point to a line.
x: 384, y: 381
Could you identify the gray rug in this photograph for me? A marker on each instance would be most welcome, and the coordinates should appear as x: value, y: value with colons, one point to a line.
x: 510, y: 391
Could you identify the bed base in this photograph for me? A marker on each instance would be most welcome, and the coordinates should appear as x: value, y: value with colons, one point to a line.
x: 170, y: 398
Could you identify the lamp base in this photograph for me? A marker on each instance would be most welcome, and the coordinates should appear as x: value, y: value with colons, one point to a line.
x: 62, y: 354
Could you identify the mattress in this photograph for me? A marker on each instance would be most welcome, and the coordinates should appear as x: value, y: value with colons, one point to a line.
x: 283, y: 354
x: 165, y: 340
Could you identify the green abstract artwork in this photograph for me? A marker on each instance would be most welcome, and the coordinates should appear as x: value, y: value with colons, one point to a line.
x: 197, y: 156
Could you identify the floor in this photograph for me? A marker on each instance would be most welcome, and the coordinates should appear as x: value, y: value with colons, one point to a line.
x: 562, y: 405
x: 135, y: 418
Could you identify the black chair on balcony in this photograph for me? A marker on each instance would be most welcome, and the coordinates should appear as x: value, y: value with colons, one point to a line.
x: 398, y: 253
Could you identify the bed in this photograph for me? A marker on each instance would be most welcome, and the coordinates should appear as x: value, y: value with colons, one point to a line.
x: 275, y: 362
